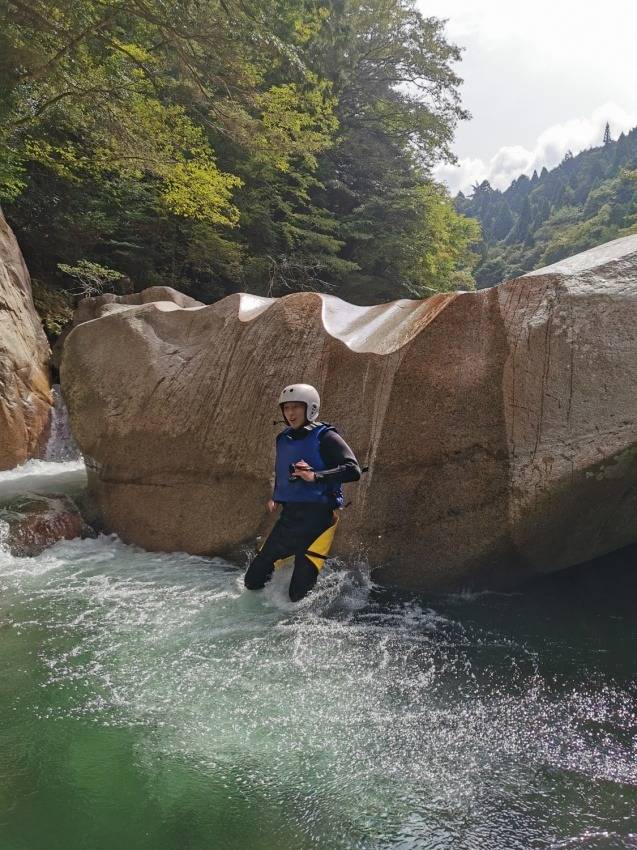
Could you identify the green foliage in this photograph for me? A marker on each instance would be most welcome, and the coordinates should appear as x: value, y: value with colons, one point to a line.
x: 91, y: 277
x: 55, y: 307
x: 298, y: 122
x: 432, y: 251
x: 12, y: 171
x: 587, y: 200
x: 217, y: 145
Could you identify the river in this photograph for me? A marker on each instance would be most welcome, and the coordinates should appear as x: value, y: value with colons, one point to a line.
x: 148, y: 702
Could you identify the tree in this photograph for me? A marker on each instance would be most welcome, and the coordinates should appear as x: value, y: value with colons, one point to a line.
x: 503, y: 221
x: 434, y: 250
x: 520, y: 231
x: 577, y: 205
x: 225, y: 144
x: 607, y: 136
x: 92, y: 278
x: 397, y: 104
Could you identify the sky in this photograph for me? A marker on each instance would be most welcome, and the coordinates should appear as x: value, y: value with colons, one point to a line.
x: 540, y: 78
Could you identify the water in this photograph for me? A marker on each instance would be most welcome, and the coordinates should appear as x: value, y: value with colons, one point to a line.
x: 61, y: 445
x: 147, y: 701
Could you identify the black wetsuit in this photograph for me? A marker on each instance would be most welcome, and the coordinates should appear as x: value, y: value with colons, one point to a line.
x: 301, y: 523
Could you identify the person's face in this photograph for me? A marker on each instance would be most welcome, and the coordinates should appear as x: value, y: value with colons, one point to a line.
x: 294, y: 413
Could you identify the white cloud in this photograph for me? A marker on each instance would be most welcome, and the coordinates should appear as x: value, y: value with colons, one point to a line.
x: 510, y: 161
x: 552, y: 30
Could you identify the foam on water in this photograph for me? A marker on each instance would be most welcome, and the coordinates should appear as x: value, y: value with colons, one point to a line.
x: 42, y: 476
x: 42, y: 469
x: 355, y: 718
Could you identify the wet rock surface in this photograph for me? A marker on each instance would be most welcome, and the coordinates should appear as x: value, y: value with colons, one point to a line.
x: 33, y: 522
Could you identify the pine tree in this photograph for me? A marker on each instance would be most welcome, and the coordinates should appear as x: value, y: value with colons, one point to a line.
x: 588, y: 199
x: 502, y: 221
x: 521, y: 231
x: 621, y: 151
x: 542, y: 212
x: 607, y: 136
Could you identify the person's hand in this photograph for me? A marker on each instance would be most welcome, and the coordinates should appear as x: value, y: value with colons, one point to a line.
x: 271, y: 505
x: 303, y: 470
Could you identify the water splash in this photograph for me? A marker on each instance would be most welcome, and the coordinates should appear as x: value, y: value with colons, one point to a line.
x: 356, y: 718
x: 42, y: 476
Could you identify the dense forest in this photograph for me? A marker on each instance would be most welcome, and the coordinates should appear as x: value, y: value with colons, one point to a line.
x: 224, y: 145
x: 588, y: 199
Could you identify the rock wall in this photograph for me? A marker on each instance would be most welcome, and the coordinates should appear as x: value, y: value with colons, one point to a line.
x: 500, y: 426
x: 25, y: 389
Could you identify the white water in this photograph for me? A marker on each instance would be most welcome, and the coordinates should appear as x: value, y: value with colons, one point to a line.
x: 356, y: 718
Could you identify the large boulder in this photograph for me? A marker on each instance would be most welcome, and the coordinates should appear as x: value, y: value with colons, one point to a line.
x: 25, y: 389
x: 102, y: 305
x: 500, y: 426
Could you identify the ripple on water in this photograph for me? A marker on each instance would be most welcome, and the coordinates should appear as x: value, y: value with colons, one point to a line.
x: 357, y: 718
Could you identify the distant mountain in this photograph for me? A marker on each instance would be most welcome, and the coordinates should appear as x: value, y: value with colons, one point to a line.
x: 588, y: 199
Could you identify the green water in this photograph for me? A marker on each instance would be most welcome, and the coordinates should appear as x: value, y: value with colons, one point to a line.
x: 147, y: 701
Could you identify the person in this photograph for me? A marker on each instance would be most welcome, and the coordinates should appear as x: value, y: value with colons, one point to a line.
x: 312, y: 462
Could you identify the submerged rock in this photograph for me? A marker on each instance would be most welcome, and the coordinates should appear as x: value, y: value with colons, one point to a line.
x: 25, y: 389
x: 500, y: 426
x: 35, y: 521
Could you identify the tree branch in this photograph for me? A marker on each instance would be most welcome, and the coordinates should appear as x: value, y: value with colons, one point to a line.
x: 92, y: 28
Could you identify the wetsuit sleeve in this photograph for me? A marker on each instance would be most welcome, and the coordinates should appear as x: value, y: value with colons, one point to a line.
x: 340, y: 461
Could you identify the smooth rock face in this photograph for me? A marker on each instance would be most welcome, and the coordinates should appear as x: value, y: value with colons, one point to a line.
x: 500, y: 426
x: 102, y: 305
x: 34, y: 522
x: 25, y: 389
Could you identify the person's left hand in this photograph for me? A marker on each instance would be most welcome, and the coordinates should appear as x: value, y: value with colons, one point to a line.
x: 303, y: 470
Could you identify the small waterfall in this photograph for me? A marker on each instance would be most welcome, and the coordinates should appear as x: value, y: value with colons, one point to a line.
x: 61, y: 445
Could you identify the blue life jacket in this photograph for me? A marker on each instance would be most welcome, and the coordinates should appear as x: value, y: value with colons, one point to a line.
x: 290, y: 450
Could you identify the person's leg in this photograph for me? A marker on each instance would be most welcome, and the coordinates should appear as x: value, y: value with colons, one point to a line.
x: 261, y: 567
x: 295, y: 531
x: 259, y: 572
x: 305, y: 572
x: 303, y: 578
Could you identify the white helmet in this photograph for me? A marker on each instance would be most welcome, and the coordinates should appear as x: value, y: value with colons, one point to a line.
x: 305, y: 394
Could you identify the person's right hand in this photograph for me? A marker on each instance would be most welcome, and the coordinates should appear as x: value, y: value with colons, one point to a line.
x: 271, y: 506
